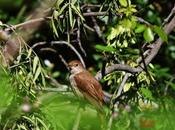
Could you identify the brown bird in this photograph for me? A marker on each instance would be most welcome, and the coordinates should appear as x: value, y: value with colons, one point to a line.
x: 87, y: 85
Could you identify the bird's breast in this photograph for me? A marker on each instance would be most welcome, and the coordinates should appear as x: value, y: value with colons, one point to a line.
x: 74, y: 86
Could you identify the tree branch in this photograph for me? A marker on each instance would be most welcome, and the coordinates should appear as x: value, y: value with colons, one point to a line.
x: 151, y: 54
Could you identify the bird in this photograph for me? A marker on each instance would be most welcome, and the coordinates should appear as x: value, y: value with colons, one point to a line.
x: 85, y: 84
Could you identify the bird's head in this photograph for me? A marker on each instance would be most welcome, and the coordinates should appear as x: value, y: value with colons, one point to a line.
x: 75, y: 67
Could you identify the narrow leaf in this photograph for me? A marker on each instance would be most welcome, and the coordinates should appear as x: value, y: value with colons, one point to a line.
x: 77, y: 11
x: 59, y: 2
x: 62, y: 9
x: 70, y: 16
x: 38, y: 71
x: 54, y: 28
x: 104, y: 48
x: 35, y: 63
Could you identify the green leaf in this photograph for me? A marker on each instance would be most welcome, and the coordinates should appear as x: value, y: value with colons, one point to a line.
x: 123, y: 2
x: 62, y: 9
x: 29, y: 52
x: 77, y: 11
x: 57, y: 106
x: 38, y: 71
x: 59, y: 2
x: 55, y: 14
x: 147, y: 93
x: 35, y: 63
x: 161, y: 33
x: 171, y: 84
x: 6, y: 91
x: 148, y: 35
x: 70, y: 16
x: 140, y: 28
x: 105, y: 48
x: 54, y: 27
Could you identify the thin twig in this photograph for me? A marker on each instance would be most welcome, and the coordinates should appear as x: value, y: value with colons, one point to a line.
x: 78, y: 37
x: 122, y: 84
x: 27, y: 22
x: 64, y: 61
x: 143, y: 21
x: 37, y: 20
x: 72, y: 47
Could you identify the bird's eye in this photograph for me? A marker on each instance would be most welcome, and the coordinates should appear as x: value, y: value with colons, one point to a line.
x: 76, y: 64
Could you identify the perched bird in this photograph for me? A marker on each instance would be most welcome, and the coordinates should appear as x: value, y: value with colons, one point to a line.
x: 86, y: 84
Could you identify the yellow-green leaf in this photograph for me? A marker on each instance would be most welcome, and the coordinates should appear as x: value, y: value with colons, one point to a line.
x: 54, y: 28
x: 70, y: 16
x: 148, y: 35
x: 77, y: 11
x: 123, y: 3
x: 38, y: 71
x: 35, y: 63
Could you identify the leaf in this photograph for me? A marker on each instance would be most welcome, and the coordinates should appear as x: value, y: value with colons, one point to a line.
x: 171, y: 84
x: 123, y: 2
x: 55, y: 14
x: 70, y: 17
x: 161, y: 33
x: 58, y: 3
x: 62, y: 9
x: 57, y: 106
x: 105, y: 48
x: 54, y: 28
x: 38, y: 71
x: 29, y: 53
x: 77, y: 11
x: 6, y: 91
x: 140, y: 28
x: 35, y: 63
x: 148, y: 35
x: 147, y: 93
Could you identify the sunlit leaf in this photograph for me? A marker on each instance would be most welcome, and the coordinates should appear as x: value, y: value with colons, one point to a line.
x: 29, y: 53
x: 77, y: 12
x: 148, y: 35
x: 59, y: 2
x: 55, y: 14
x: 62, y: 9
x: 38, y: 72
x: 123, y: 2
x: 35, y: 63
x: 54, y: 27
x: 70, y: 16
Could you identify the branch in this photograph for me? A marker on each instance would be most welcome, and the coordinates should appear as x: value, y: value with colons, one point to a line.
x: 72, y: 47
x: 116, y: 67
x: 16, y: 41
x: 60, y: 43
x: 151, y: 53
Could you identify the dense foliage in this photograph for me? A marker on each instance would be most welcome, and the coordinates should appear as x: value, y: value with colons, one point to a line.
x: 114, y: 38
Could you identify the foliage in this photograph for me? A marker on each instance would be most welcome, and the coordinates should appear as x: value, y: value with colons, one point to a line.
x: 119, y: 36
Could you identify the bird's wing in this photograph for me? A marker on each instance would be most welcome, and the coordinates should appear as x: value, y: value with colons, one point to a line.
x: 89, y: 86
